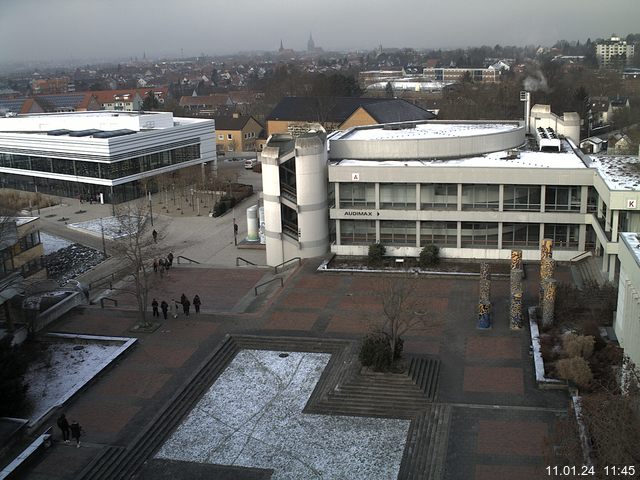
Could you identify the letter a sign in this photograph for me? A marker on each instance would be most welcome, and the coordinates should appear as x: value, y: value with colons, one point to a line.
x: 355, y: 177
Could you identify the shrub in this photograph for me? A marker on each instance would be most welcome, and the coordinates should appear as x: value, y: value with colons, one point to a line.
x: 577, y: 345
x: 429, y: 256
x: 377, y: 252
x: 375, y: 351
x: 575, y: 369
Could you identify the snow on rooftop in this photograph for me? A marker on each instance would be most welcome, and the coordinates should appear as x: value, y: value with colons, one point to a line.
x: 252, y: 417
x: 517, y: 159
x: 429, y: 130
x: 620, y: 172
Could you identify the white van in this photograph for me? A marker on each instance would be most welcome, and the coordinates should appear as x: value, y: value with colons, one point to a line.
x: 250, y: 163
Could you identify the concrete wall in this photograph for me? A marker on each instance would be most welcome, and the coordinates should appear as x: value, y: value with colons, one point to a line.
x: 627, y: 321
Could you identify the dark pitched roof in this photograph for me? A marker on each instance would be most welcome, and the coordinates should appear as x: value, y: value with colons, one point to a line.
x: 338, y: 109
x: 232, y: 123
x: 397, y: 110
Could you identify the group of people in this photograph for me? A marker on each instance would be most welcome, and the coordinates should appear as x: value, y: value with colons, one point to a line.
x: 183, y: 302
x: 163, y: 264
x: 67, y: 428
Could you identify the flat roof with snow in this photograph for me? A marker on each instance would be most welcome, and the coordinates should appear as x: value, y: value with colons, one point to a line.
x: 428, y: 130
x: 620, y: 172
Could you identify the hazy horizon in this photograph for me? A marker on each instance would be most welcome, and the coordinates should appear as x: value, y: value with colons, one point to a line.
x: 66, y: 30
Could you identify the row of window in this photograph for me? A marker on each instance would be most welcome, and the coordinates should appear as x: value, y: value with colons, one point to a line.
x: 109, y: 171
x: 444, y: 196
x: 445, y: 234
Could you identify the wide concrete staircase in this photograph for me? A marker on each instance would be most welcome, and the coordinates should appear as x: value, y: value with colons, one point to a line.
x: 587, y: 271
x: 343, y: 389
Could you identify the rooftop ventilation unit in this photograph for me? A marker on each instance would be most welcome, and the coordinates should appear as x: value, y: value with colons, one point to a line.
x: 547, y: 138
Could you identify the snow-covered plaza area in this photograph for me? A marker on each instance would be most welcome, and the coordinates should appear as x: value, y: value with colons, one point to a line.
x: 66, y: 366
x: 112, y: 226
x: 252, y: 417
x: 53, y: 243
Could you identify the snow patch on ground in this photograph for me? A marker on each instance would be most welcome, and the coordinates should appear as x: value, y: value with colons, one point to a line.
x: 112, y: 227
x: 51, y: 243
x: 66, y: 370
x: 252, y: 417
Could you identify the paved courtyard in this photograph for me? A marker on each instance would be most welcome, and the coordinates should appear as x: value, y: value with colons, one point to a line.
x: 499, y: 418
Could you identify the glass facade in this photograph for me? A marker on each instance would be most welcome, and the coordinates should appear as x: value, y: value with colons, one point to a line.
x: 105, y: 170
x: 480, y: 197
x: 398, y: 196
x: 439, y: 233
x: 439, y: 196
x: 479, y: 235
x: 357, y: 195
x: 563, y: 235
x: 398, y: 232
x: 562, y: 199
x: 522, y: 197
x: 357, y: 232
x: 520, y: 235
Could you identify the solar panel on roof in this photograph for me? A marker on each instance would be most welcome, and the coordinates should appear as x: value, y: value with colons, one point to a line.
x: 56, y: 133
x: 114, y: 133
x: 84, y: 133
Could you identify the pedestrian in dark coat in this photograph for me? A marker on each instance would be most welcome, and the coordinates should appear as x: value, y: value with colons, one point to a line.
x: 185, y: 307
x: 183, y: 299
x: 155, y: 236
x: 155, y: 265
x: 154, y: 305
x: 164, y: 306
x: 197, y: 303
x: 63, y: 423
x: 76, y: 431
x: 170, y: 258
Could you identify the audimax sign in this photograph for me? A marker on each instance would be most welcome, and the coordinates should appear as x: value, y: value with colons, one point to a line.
x: 361, y: 213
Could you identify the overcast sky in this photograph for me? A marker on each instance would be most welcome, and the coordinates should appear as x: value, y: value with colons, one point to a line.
x: 35, y: 30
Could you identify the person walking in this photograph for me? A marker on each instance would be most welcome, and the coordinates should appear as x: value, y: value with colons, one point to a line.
x: 154, y: 306
x: 155, y: 236
x: 185, y: 306
x: 164, y: 306
x: 170, y: 258
x: 196, y: 303
x: 155, y: 265
x: 76, y: 431
x: 63, y: 423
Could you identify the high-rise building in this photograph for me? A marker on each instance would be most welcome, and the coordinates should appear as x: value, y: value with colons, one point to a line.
x: 614, y: 52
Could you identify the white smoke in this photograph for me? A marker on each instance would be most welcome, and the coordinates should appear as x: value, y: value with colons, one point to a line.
x: 536, y: 82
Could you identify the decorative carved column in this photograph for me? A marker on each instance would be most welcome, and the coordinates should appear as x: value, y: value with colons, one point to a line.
x: 516, y: 259
x: 547, y: 269
x: 548, y: 302
x: 484, y: 302
x: 515, y: 307
x: 546, y: 249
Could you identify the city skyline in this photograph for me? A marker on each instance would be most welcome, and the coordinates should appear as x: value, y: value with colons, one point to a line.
x: 72, y: 29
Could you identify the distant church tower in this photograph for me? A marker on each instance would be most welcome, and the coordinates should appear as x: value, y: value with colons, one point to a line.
x: 311, y: 45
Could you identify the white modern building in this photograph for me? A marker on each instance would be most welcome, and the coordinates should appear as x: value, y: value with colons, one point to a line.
x: 476, y: 189
x: 627, y: 321
x: 609, y: 52
x: 88, y: 153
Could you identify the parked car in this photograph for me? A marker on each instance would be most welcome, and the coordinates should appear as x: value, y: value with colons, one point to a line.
x: 250, y: 163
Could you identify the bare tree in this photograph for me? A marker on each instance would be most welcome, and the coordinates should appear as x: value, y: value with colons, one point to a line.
x: 136, y: 247
x: 400, y: 307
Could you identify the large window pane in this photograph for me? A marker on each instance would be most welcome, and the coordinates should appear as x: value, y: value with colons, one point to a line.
x: 439, y: 196
x: 357, y: 232
x: 563, y: 235
x: 480, y: 197
x: 520, y: 235
x: 399, y: 196
x: 479, y: 234
x: 562, y: 199
x: 522, y: 197
x: 398, y: 233
x: 439, y: 233
x: 61, y: 165
x: 357, y: 195
x: 88, y: 169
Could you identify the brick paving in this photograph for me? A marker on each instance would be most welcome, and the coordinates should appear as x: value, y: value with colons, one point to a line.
x: 489, y: 370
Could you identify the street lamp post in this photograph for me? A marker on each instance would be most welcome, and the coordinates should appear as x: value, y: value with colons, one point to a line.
x: 150, y: 209
x: 104, y: 244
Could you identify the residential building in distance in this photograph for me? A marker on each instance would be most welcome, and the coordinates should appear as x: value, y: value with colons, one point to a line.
x: 477, y: 189
x: 69, y: 102
x: 614, y: 52
x: 457, y: 75
x: 48, y: 86
x: 296, y: 115
x: 101, y: 154
x: 236, y: 133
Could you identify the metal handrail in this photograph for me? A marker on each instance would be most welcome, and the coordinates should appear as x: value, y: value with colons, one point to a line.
x: 111, y: 277
x: 115, y: 302
x: 578, y: 257
x: 186, y: 258
x: 275, y: 269
x: 244, y: 260
x: 255, y: 290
